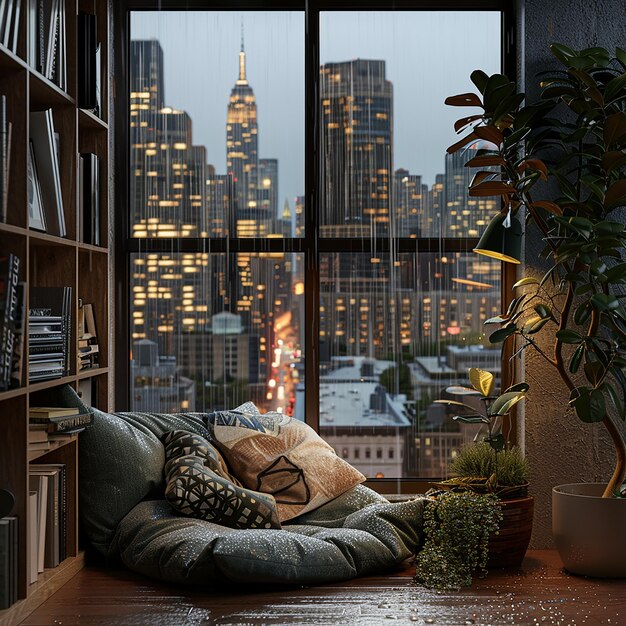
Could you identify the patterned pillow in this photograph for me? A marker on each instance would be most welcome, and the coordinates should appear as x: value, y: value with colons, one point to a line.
x: 199, y: 485
x: 279, y: 455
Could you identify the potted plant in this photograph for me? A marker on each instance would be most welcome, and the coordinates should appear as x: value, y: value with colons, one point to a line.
x: 560, y: 163
x: 457, y: 530
x: 492, y: 466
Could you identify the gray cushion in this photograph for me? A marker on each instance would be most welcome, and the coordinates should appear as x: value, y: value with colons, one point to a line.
x: 121, y: 462
x: 358, y: 534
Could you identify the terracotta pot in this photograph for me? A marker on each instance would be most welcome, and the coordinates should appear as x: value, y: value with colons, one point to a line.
x: 589, y: 531
x: 508, y: 547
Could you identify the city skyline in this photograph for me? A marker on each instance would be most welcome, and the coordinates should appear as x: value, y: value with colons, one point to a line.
x: 203, y: 68
x: 211, y: 330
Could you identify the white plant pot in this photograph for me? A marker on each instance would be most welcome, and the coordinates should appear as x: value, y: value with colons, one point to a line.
x: 589, y: 530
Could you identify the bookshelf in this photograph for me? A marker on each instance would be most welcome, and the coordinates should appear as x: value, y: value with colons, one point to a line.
x: 47, y: 260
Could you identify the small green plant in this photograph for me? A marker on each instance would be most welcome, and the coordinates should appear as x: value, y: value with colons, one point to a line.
x: 493, y: 407
x: 481, y: 469
x: 457, y: 527
x: 509, y: 466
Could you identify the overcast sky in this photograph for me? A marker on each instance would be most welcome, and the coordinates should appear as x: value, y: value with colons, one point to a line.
x: 429, y: 56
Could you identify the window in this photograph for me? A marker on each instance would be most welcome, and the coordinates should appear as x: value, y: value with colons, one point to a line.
x: 343, y: 290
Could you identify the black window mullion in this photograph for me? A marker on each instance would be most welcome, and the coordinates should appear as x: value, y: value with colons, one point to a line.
x: 311, y: 211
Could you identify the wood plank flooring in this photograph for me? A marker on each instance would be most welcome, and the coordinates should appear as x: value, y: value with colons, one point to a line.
x: 539, y: 593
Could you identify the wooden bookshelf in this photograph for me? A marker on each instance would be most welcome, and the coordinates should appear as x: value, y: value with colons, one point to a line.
x: 48, y: 260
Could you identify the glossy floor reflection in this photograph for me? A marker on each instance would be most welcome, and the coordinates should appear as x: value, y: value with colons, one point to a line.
x: 539, y: 592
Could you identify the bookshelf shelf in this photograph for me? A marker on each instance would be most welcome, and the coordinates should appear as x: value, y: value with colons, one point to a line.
x: 90, y: 373
x: 88, y: 247
x: 49, y: 260
x: 50, y: 384
x: 8, y: 60
x: 13, y: 230
x: 44, y: 92
x: 41, y: 239
x: 87, y: 119
x: 13, y: 393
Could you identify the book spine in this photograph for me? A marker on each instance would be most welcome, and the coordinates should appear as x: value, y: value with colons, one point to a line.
x: 3, y: 154
x: 5, y: 565
x: 61, y: 424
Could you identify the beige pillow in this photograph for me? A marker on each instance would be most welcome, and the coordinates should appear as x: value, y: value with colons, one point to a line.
x: 277, y: 454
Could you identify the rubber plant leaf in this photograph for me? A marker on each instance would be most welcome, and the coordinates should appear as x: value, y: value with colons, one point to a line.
x: 503, y: 404
x: 482, y: 381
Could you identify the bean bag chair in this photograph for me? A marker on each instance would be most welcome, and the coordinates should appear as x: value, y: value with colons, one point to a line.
x: 125, y: 515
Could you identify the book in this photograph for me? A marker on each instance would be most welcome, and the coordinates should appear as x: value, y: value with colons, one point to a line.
x: 38, y: 446
x: 89, y: 201
x: 50, y: 323
x: 5, y: 564
x: 17, y: 363
x: 87, y: 45
x: 7, y: 22
x: 61, y: 526
x: 8, y: 561
x: 53, y: 411
x: 32, y: 537
x: 37, y: 435
x: 9, y: 305
x: 65, y: 423
x: 3, y: 155
x: 51, y: 544
x: 15, y: 26
x: 36, y: 214
x: 42, y: 135
x: 39, y: 484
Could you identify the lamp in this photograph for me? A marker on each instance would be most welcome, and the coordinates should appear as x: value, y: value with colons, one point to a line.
x: 502, y: 239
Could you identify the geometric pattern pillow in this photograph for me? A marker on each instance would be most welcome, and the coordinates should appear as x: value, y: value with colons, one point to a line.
x: 179, y: 443
x: 195, y: 489
x: 276, y: 454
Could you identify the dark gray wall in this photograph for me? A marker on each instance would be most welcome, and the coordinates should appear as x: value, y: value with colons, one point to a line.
x: 560, y: 449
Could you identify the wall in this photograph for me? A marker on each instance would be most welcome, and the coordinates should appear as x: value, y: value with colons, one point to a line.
x: 559, y: 447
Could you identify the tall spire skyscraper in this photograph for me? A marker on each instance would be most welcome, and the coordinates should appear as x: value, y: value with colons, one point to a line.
x: 242, y: 157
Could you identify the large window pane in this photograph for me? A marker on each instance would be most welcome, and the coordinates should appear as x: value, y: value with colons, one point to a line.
x: 211, y: 331
x: 394, y: 335
x: 384, y: 128
x: 217, y: 124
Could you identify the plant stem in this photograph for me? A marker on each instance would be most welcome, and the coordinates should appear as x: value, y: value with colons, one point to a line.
x: 620, y: 464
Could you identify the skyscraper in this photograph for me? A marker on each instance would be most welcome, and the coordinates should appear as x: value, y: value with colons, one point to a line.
x: 242, y: 158
x: 357, y: 151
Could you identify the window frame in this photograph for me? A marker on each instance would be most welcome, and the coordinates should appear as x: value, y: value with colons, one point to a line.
x: 311, y: 246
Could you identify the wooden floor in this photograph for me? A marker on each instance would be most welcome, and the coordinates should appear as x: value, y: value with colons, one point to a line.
x: 538, y: 593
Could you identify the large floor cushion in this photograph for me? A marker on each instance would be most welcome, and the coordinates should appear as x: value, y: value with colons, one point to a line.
x: 358, y: 533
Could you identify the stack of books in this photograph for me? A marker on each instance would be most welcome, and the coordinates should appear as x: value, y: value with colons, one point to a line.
x: 45, y: 199
x: 57, y: 422
x: 8, y: 561
x: 11, y: 322
x: 88, y: 348
x: 47, y: 39
x: 6, y: 128
x: 49, y: 327
x: 10, y: 11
